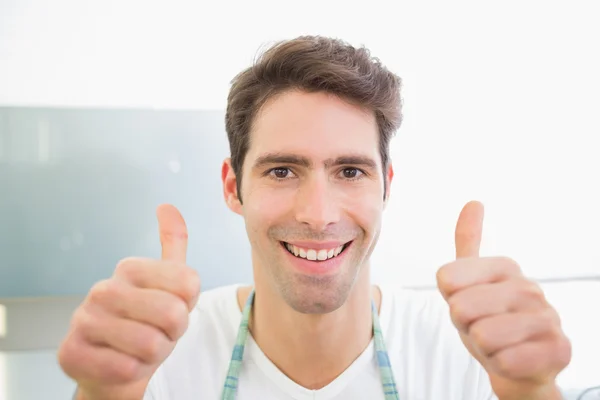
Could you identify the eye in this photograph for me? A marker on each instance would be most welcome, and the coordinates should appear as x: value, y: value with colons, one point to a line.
x: 280, y: 173
x: 351, y: 173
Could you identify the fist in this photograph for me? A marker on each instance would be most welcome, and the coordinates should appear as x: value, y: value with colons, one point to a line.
x: 502, y: 317
x: 127, y: 325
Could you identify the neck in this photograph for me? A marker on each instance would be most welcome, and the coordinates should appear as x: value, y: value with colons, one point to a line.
x: 313, y: 349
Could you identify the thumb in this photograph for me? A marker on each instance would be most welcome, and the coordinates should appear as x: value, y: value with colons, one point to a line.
x: 467, y: 236
x: 173, y: 233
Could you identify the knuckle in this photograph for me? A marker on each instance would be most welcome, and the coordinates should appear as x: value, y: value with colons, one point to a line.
x: 550, y: 317
x: 67, y: 356
x: 551, y: 322
x: 442, y: 274
x: 564, y: 351
x: 504, y: 363
x: 125, y: 263
x: 445, y: 278
x: 102, y: 291
x: 510, y: 264
x: 531, y: 290
x: 151, y: 347
x: 455, y: 306
x: 172, y: 237
x: 175, y: 319
x: 480, y: 336
x: 82, y: 322
x: 458, y: 310
x: 191, y: 284
x: 126, y: 370
x: 127, y: 267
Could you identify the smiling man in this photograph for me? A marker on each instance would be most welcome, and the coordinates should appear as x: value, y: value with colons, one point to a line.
x: 309, y: 127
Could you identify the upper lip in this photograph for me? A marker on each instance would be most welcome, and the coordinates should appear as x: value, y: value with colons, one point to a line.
x: 317, y: 245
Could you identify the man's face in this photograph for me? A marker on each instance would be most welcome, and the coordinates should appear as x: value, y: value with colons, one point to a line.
x: 312, y: 192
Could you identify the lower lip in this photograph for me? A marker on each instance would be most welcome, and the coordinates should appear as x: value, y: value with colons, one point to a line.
x: 325, y: 267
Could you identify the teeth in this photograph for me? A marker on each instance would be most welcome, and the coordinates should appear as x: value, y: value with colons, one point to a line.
x: 322, y: 255
x: 312, y: 254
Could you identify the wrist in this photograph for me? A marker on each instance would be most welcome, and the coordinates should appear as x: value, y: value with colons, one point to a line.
x: 135, y: 392
x: 547, y: 392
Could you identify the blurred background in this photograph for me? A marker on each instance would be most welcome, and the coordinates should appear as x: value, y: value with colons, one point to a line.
x: 109, y: 108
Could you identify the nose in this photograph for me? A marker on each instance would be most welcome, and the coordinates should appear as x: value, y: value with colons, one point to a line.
x: 316, y: 204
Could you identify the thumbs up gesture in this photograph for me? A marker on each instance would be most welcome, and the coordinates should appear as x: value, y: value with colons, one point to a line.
x: 128, y: 325
x: 503, y: 318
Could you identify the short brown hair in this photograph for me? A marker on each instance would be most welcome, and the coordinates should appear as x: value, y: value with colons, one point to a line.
x: 312, y: 64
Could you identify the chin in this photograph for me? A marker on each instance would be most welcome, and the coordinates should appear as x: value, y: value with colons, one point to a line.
x: 318, y: 287
x: 316, y: 295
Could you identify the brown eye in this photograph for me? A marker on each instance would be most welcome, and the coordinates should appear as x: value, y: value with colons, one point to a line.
x: 350, y: 173
x: 280, y: 173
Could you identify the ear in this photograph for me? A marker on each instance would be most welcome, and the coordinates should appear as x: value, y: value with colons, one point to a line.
x: 230, y: 187
x: 389, y: 176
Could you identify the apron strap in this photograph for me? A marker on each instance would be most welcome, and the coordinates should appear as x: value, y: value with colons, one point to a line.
x: 383, y: 361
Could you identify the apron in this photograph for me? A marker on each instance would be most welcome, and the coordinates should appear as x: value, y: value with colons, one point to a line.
x: 383, y: 361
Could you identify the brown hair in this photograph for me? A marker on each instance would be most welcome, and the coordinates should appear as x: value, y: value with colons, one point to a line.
x: 312, y: 64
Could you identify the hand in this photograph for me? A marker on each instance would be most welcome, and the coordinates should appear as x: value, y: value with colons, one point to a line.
x: 128, y: 325
x: 503, y: 318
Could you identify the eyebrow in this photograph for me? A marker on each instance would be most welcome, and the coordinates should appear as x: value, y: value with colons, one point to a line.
x: 292, y: 159
x: 281, y: 158
x: 352, y: 159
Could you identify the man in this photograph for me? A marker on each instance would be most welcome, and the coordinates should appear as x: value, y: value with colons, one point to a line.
x: 309, y: 127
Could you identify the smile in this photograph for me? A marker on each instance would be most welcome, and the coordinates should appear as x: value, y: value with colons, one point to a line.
x: 314, y: 254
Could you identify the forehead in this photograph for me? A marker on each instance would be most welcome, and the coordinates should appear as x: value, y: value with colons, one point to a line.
x: 315, y: 125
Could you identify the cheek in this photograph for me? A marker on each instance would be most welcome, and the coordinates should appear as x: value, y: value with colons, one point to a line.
x: 364, y: 207
x: 266, y: 206
x: 368, y: 218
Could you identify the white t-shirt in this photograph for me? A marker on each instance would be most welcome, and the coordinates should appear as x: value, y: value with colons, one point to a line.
x: 427, y: 356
